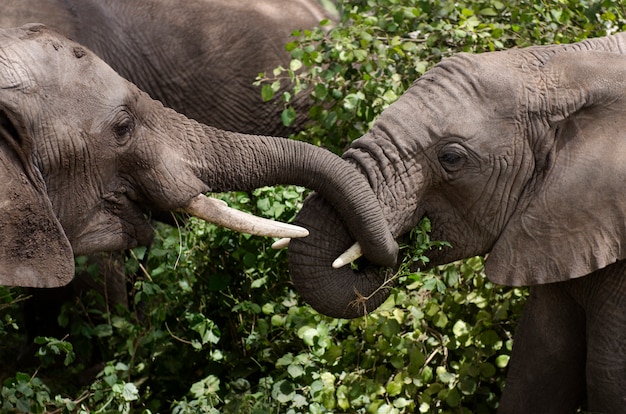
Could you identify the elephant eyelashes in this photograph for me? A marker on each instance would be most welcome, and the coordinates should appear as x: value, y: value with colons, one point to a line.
x: 452, y: 157
x: 123, y: 126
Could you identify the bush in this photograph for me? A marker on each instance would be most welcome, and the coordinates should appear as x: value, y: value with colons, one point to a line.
x: 214, y: 324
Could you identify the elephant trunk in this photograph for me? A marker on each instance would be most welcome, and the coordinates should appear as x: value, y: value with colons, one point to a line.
x: 347, y: 292
x: 244, y: 162
x: 354, y: 290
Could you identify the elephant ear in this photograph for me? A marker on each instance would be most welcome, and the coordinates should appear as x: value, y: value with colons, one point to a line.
x: 34, y: 250
x: 572, y: 219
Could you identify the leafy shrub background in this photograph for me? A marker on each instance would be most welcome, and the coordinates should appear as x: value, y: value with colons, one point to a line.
x: 214, y: 324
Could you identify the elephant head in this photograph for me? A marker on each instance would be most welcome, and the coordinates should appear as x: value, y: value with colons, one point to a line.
x: 517, y: 154
x: 84, y: 154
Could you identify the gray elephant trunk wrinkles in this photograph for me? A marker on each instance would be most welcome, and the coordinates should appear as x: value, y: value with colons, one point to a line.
x: 379, y: 160
x: 284, y: 161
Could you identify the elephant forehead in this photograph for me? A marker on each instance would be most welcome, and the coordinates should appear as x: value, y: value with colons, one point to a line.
x: 14, y: 75
x: 423, y: 118
x: 469, y: 84
x: 36, y: 59
x: 457, y: 99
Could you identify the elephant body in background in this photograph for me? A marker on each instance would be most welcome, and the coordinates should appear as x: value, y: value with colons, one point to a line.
x: 520, y: 155
x: 199, y: 57
x: 84, y: 154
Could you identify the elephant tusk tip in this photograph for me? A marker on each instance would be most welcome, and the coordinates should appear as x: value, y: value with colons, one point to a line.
x: 298, y: 231
x: 339, y: 263
x: 281, y: 244
x: 349, y: 256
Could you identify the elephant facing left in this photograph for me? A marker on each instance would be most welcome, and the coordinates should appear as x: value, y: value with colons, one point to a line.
x: 84, y: 154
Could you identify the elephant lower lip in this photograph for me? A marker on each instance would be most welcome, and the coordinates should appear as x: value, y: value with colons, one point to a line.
x: 117, y: 223
x: 112, y: 234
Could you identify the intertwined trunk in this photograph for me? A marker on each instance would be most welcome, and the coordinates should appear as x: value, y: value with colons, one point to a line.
x: 348, y: 292
x: 208, y: 159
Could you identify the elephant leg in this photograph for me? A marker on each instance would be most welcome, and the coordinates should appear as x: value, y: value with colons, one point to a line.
x: 41, y: 313
x: 605, y: 294
x: 42, y: 310
x: 547, y: 369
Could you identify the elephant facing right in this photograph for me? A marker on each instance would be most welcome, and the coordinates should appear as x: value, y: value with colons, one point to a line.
x: 519, y: 155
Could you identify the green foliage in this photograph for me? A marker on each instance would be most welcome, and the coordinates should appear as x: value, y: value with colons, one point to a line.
x: 360, y: 67
x: 24, y: 393
x: 213, y: 323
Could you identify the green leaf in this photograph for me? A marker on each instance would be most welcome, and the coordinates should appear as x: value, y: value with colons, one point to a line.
x: 320, y: 91
x: 23, y: 406
x: 257, y: 283
x: 440, y: 320
x: 130, y: 392
x: 453, y: 398
x: 390, y: 328
x: 268, y: 309
x: 267, y: 92
x: 502, y: 361
x: 295, y: 370
x: 394, y: 387
x: 468, y: 386
x: 487, y: 370
x: 416, y: 361
x: 460, y: 33
x: 490, y: 338
x: 288, y: 116
x: 283, y: 391
x: 460, y: 328
x: 445, y: 376
x: 352, y: 100
x: 295, y: 64
x: 488, y: 11
x: 207, y: 386
x: 308, y: 335
x: 285, y: 360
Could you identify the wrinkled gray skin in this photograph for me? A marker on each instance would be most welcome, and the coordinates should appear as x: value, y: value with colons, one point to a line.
x: 199, y: 57
x: 520, y: 155
x: 84, y: 154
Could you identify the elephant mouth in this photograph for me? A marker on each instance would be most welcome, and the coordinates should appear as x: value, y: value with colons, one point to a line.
x: 353, y: 256
x: 116, y: 223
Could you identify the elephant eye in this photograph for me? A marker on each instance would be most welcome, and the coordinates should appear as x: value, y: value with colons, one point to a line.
x: 452, y: 157
x: 123, y: 126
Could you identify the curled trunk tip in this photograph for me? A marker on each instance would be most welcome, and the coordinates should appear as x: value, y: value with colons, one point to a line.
x: 347, y: 292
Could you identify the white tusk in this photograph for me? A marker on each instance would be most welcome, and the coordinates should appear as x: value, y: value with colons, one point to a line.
x: 217, y: 212
x: 349, y: 256
x: 281, y: 244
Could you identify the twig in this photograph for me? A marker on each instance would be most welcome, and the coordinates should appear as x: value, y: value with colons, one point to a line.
x: 184, y: 341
